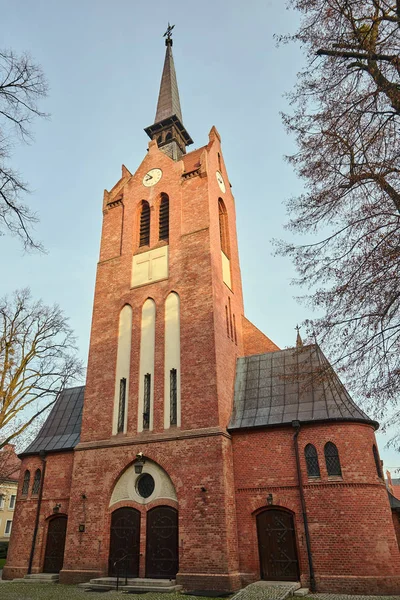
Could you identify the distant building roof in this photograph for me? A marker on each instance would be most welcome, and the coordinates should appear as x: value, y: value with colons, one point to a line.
x: 394, y: 502
x: 277, y: 388
x: 62, y: 428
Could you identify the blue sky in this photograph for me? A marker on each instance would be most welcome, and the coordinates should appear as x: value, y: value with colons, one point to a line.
x: 103, y: 61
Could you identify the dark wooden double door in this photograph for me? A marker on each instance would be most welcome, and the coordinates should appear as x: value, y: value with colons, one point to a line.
x: 161, y: 542
x: 55, y: 544
x: 277, y: 546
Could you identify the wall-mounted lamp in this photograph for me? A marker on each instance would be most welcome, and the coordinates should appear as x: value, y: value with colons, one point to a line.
x: 81, y: 528
x: 139, y: 463
x: 56, y: 508
x: 270, y: 499
x: 83, y: 496
x: 203, y: 489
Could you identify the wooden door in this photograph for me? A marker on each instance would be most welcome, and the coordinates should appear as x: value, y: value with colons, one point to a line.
x: 162, y: 543
x: 124, y: 542
x: 277, y: 546
x: 54, y: 555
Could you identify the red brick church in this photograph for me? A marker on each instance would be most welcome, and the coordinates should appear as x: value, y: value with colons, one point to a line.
x: 198, y: 451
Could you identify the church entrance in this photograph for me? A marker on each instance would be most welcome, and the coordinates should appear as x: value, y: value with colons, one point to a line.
x: 124, y: 542
x: 54, y: 555
x: 162, y: 543
x: 277, y: 546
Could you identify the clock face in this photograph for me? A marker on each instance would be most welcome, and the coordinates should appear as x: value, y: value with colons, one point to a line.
x: 221, y: 181
x: 152, y: 177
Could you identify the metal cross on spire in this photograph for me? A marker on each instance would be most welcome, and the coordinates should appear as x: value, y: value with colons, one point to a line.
x: 168, y: 33
x: 299, y: 341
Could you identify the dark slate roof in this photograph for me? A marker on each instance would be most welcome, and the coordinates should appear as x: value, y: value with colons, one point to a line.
x: 168, y: 99
x: 394, y: 503
x: 62, y: 428
x: 277, y: 388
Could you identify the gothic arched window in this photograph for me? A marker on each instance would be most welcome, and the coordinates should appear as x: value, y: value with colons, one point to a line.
x: 36, y: 482
x: 377, y: 461
x: 25, y: 485
x: 332, y: 459
x: 168, y: 137
x: 163, y: 224
x: 144, y: 236
x: 312, y: 461
x: 223, y: 228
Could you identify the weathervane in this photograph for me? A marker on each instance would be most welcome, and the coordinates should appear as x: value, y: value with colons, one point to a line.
x: 168, y: 33
x: 299, y: 341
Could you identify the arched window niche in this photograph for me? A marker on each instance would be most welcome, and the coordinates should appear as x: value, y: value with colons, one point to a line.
x: 225, y: 245
x: 163, y: 219
x: 312, y: 463
x: 144, y: 228
x: 25, y: 485
x: 332, y: 460
x: 172, y: 362
x: 121, y: 389
x: 146, y: 369
x: 378, y: 465
x: 36, y: 482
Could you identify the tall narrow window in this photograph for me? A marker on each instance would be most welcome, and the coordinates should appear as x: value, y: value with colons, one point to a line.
x: 121, y: 386
x: 223, y: 228
x: 227, y: 320
x: 164, y: 218
x: 377, y: 461
x: 121, y: 407
x: 25, y: 485
x: 173, y: 397
x: 312, y: 461
x: 230, y: 319
x: 234, y: 329
x: 219, y: 162
x: 36, y: 482
x: 146, y: 366
x: 332, y: 459
x: 11, y: 505
x: 172, y: 362
x: 144, y: 224
x: 146, y: 401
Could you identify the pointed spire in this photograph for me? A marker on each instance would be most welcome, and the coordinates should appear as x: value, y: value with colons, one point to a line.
x: 168, y: 129
x: 299, y: 341
x: 168, y: 98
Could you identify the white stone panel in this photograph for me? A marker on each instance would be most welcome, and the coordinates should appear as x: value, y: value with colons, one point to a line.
x: 150, y: 266
x: 226, y: 270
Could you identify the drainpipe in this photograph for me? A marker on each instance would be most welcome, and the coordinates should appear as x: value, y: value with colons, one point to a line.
x: 42, y: 455
x: 296, y: 425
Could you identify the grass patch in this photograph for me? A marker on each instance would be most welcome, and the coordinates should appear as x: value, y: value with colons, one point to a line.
x: 37, y: 591
x: 2, y: 562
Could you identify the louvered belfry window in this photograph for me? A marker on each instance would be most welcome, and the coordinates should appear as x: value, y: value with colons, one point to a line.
x: 312, y: 461
x: 377, y: 461
x: 146, y: 401
x: 121, y: 407
x: 25, y: 485
x: 145, y: 224
x: 332, y: 459
x: 36, y: 482
x: 164, y: 218
x: 173, y: 397
x: 223, y: 228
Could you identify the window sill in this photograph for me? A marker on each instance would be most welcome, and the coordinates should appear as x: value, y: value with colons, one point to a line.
x: 335, y: 478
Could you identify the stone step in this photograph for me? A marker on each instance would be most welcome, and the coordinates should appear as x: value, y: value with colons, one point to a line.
x: 164, y: 589
x: 42, y: 576
x: 301, y: 592
x: 137, y: 581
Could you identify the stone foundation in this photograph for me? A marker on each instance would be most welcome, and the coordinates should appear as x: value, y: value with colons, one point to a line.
x: 229, y: 582
x: 72, y: 577
x: 371, y: 586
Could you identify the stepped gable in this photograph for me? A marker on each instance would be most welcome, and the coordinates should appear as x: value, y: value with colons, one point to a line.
x: 62, y: 428
x: 277, y: 388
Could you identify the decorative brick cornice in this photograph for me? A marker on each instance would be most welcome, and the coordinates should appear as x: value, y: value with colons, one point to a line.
x: 190, y: 174
x: 114, y: 203
x: 269, y: 488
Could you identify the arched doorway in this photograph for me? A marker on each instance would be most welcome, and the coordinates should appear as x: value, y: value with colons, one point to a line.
x: 124, y: 542
x: 277, y: 545
x: 55, y: 544
x: 162, y: 543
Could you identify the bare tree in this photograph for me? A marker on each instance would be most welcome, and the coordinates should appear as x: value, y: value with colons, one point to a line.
x: 346, y: 119
x: 37, y: 360
x: 22, y: 84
